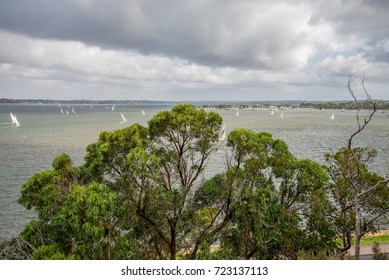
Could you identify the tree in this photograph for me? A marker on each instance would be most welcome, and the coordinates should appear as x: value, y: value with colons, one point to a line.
x: 74, y: 221
x: 46, y: 190
x: 182, y: 140
x: 274, y: 205
x: 361, y: 197
x: 86, y: 226
x: 155, y: 171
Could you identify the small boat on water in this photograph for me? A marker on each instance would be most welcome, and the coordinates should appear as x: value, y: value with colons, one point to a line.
x: 15, y: 121
x: 223, y: 132
x: 332, y: 116
x: 143, y: 112
x: 124, y: 119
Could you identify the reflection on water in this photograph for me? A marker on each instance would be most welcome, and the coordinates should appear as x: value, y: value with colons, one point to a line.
x: 45, y: 132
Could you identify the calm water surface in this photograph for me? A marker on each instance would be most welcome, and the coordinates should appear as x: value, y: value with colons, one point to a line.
x: 45, y: 132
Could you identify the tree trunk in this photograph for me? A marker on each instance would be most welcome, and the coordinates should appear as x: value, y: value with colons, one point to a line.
x: 173, y: 245
x: 357, y: 228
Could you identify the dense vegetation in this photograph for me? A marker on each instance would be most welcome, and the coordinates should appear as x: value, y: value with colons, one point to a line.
x: 141, y: 194
x: 380, y: 105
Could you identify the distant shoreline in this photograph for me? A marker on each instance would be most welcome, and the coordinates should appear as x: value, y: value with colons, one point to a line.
x: 332, y: 105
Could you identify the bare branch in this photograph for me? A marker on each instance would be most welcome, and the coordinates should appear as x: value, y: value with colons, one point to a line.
x: 371, y: 114
x: 384, y: 181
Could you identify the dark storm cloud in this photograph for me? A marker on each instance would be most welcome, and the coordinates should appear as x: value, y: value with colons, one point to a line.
x: 64, y: 20
x: 219, y: 33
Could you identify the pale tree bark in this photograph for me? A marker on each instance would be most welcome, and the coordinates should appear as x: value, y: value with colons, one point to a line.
x: 357, y: 190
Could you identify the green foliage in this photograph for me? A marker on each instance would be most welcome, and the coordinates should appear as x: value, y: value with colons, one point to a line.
x: 46, y: 190
x: 105, y: 160
x: 35, y: 234
x: 279, y: 204
x: 51, y: 252
x: 85, y: 225
x: 351, y: 180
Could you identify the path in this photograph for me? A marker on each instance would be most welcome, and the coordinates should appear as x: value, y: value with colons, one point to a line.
x: 366, y: 251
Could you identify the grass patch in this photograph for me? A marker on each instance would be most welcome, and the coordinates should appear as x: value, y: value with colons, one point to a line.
x: 380, y: 238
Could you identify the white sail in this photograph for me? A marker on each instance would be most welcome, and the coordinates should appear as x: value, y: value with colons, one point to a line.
x: 124, y: 119
x: 223, y: 132
x: 14, y: 120
x: 272, y: 112
x: 143, y: 112
x: 332, y: 116
x: 237, y: 113
x: 73, y: 110
x: 67, y: 112
x: 113, y: 108
x: 282, y: 115
x: 61, y: 111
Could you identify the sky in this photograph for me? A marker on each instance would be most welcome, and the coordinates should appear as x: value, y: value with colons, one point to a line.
x: 194, y: 50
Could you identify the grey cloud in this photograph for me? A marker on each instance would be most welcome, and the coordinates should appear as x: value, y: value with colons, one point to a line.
x: 377, y: 52
x: 382, y: 56
x: 216, y: 33
x: 192, y: 45
x: 362, y: 20
x: 367, y: 18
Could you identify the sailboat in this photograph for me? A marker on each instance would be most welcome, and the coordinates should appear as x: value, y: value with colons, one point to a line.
x: 61, y: 111
x: 73, y: 110
x: 14, y: 120
x: 332, y: 116
x: 143, y: 112
x: 222, y: 135
x: 67, y: 112
x: 272, y: 112
x: 113, y: 108
x: 237, y: 113
x: 282, y: 115
x: 124, y: 119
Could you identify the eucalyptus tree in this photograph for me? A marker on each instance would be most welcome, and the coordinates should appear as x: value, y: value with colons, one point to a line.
x: 74, y: 221
x: 268, y: 204
x: 155, y: 171
x: 166, y: 173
